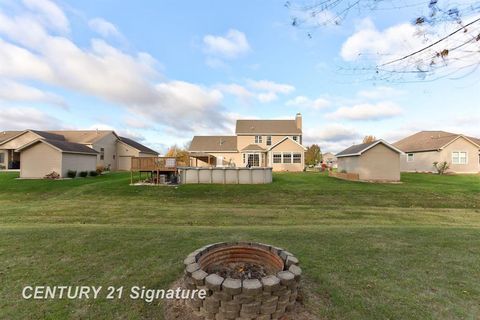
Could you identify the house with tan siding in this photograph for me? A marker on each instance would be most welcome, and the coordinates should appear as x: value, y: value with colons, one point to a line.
x: 422, y: 149
x: 373, y: 161
x: 110, y: 151
x: 257, y: 143
x: 44, y: 156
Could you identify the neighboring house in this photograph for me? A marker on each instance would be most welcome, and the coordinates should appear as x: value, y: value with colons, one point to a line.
x: 6, y: 157
x: 374, y: 161
x: 257, y: 143
x: 43, y: 156
x: 128, y: 148
x: 112, y: 152
x: 424, y: 148
x: 329, y: 159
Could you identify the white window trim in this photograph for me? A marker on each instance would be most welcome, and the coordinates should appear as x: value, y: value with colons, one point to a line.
x: 268, y: 138
x: 260, y: 139
x: 413, y: 157
x: 282, y: 159
x: 459, y: 163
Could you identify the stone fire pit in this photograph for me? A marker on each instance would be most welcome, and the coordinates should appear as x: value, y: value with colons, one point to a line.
x: 243, y: 281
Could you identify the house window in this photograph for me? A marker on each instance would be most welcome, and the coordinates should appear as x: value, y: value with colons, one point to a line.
x: 295, y: 138
x: 2, y: 157
x: 244, y: 159
x: 269, y: 140
x: 113, y: 157
x: 287, y: 157
x: 258, y: 139
x: 102, y: 153
x: 254, y: 160
x: 410, y: 157
x: 297, y: 158
x: 277, y: 158
x: 459, y: 157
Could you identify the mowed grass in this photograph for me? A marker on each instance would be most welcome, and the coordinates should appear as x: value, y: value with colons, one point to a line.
x: 368, y: 251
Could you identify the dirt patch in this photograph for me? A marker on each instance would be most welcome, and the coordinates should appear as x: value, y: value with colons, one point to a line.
x: 239, y: 270
x: 178, y: 309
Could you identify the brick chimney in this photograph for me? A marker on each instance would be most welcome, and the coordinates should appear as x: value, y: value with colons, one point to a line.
x: 298, y: 120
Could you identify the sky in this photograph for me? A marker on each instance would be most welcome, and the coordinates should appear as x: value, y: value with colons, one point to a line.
x: 161, y: 72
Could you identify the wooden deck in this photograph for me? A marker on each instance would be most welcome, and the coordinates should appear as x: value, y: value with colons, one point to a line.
x: 156, y: 167
x: 163, y: 164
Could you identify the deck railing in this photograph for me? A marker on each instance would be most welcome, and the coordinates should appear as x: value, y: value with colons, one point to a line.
x: 154, y: 164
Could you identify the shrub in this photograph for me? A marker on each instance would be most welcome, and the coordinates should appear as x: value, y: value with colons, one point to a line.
x: 441, y: 167
x: 100, y: 169
x: 71, y: 173
x: 93, y: 173
x: 83, y: 174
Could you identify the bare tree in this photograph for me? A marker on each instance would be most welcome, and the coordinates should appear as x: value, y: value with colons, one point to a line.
x: 449, y: 34
x: 368, y: 139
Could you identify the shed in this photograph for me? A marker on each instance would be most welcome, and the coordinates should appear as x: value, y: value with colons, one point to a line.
x: 374, y: 161
x: 43, y: 156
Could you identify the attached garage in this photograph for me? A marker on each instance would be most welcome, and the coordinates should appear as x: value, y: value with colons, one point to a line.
x: 374, y: 161
x: 43, y: 156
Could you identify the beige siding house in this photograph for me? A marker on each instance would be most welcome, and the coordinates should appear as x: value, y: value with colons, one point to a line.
x: 375, y: 161
x: 111, y: 151
x: 424, y: 148
x: 128, y: 148
x: 43, y: 156
x: 257, y: 143
x: 329, y: 159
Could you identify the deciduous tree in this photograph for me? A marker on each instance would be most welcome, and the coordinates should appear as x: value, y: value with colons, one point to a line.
x: 313, y: 155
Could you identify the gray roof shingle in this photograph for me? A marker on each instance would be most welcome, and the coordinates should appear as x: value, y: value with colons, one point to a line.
x: 267, y: 127
x: 140, y: 147
x: 428, y: 141
x: 214, y: 144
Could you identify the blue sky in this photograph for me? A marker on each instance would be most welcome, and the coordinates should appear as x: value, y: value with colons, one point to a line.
x: 163, y: 71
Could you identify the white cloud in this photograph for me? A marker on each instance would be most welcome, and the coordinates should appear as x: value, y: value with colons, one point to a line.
x: 332, y: 133
x: 230, y: 46
x: 369, y: 42
x: 305, y: 102
x: 333, y: 137
x: 384, y: 47
x: 29, y: 51
x: 237, y: 90
x: 14, y: 91
x: 103, y: 27
x: 263, y: 90
x: 49, y: 13
x: 21, y: 118
x: 367, y: 111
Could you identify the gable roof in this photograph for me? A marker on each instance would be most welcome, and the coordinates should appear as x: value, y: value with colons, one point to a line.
x: 359, y: 149
x: 7, y: 135
x: 63, y: 146
x: 140, y: 147
x: 284, y: 139
x: 253, y: 147
x: 267, y: 127
x: 430, y: 141
x: 214, y: 144
x: 83, y: 136
x: 43, y: 134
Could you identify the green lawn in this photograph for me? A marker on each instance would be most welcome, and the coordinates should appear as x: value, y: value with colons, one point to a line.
x: 369, y: 251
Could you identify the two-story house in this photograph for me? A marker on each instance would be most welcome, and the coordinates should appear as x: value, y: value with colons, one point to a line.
x: 257, y: 143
